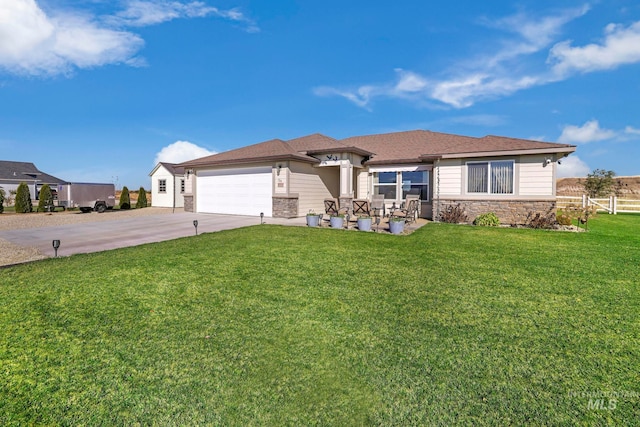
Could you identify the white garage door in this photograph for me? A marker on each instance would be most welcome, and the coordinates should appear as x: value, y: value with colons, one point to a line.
x: 241, y: 191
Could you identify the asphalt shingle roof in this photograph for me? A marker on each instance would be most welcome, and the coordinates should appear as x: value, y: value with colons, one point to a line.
x: 24, y: 171
x: 396, y: 147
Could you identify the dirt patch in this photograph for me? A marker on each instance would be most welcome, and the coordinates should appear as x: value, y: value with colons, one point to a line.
x: 629, y: 186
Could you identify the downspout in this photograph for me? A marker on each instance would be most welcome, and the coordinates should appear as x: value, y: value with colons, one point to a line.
x: 437, y: 190
x: 174, y: 193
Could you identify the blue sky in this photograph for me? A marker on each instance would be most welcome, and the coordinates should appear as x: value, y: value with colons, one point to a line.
x: 98, y: 91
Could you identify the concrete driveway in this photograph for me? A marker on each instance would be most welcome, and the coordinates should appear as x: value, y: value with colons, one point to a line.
x: 119, y: 233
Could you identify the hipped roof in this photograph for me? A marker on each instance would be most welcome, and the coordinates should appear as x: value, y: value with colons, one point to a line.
x: 414, y: 146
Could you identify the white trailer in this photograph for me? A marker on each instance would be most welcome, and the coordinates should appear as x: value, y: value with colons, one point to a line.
x: 86, y: 196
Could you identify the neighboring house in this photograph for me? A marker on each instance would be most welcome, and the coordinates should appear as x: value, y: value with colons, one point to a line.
x: 13, y: 173
x: 167, y: 185
x: 508, y: 176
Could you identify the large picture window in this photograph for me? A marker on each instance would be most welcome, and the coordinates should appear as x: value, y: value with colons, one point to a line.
x: 397, y: 185
x: 494, y: 177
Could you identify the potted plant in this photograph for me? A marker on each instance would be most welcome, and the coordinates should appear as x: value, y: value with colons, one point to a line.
x: 396, y: 225
x: 337, y: 221
x: 364, y: 223
x: 313, y: 219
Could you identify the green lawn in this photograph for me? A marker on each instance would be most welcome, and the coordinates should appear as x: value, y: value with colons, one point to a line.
x: 273, y: 325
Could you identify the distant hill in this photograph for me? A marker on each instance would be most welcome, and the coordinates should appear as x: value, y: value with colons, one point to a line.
x: 629, y: 186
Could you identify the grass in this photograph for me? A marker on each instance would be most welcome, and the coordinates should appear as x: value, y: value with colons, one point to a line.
x: 272, y: 325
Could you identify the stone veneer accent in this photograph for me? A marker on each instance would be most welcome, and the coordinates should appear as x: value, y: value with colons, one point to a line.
x: 508, y: 211
x: 345, y: 202
x: 188, y: 202
x: 285, y: 206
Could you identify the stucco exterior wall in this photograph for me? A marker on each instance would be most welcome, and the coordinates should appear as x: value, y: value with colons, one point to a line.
x: 537, y: 178
x: 533, y: 176
x: 313, y: 185
x: 173, y: 192
x: 447, y: 178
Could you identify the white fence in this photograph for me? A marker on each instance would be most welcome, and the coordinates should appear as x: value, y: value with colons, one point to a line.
x: 612, y: 204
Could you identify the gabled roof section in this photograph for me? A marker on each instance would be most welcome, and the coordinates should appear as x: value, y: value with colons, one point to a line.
x: 273, y: 150
x: 25, y: 171
x: 315, y: 142
x: 172, y: 168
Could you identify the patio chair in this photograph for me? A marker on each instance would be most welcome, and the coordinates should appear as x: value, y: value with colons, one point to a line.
x: 408, y: 198
x: 332, y: 207
x: 409, y: 213
x: 361, y: 207
x: 377, y: 205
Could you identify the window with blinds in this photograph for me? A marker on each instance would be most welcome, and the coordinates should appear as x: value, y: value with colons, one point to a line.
x: 495, y: 177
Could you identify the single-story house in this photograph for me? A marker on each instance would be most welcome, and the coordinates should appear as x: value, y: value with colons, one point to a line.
x: 511, y: 177
x: 167, y: 185
x: 14, y: 173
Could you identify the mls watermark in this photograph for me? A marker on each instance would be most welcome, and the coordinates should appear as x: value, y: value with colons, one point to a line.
x: 601, y: 400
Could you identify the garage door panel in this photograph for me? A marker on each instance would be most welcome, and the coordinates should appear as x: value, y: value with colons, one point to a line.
x: 245, y: 191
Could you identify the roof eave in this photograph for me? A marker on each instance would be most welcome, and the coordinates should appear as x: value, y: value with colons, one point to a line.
x: 352, y: 149
x: 555, y: 150
x: 374, y: 162
x: 300, y: 158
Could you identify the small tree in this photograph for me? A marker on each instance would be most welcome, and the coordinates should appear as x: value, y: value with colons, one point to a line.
x: 46, y: 198
x: 23, y: 199
x: 1, y: 200
x: 142, y: 199
x: 125, y: 200
x: 599, y: 183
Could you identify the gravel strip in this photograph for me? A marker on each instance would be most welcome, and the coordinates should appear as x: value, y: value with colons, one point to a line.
x: 14, y: 254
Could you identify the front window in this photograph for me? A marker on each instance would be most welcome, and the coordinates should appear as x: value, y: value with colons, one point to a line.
x: 490, y: 177
x: 385, y: 183
x: 416, y: 182
x: 397, y: 185
x: 162, y: 185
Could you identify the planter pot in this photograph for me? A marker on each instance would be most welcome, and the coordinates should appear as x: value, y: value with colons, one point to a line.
x: 364, y: 224
x: 336, y: 221
x: 396, y: 227
x: 313, y: 220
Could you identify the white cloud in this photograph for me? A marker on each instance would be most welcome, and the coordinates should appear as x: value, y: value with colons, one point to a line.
x: 33, y: 43
x: 620, y: 46
x: 181, y: 151
x: 504, y: 71
x: 571, y: 167
x: 589, y: 132
x: 631, y: 131
x: 484, y: 77
x: 142, y: 12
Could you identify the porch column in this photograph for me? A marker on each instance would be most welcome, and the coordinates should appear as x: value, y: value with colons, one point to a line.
x: 346, y: 179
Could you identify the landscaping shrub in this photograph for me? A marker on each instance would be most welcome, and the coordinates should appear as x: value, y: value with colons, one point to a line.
x: 453, y: 214
x: 564, y: 218
x: 142, y: 199
x: 23, y: 199
x: 1, y: 200
x: 545, y: 221
x: 46, y: 198
x: 125, y: 200
x: 487, y: 220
